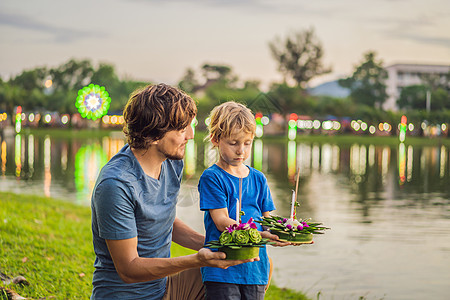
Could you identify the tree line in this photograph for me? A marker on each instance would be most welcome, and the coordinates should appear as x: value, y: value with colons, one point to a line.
x: 299, y: 56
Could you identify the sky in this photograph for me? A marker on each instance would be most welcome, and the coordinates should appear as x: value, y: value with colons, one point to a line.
x: 157, y: 40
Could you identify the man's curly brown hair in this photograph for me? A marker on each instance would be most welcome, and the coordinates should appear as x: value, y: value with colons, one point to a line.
x: 153, y: 111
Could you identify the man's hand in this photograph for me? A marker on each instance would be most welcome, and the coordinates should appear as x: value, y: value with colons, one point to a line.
x: 217, y: 259
x: 274, y: 238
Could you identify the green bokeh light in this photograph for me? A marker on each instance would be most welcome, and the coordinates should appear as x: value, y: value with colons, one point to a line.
x: 93, y: 101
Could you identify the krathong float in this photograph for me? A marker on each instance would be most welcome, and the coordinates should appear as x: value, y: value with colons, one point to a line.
x: 239, y: 241
x: 293, y: 230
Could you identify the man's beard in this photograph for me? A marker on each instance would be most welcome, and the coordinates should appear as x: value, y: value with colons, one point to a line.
x: 170, y: 156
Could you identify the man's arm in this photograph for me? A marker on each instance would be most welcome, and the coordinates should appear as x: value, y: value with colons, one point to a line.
x: 185, y: 236
x: 132, y: 268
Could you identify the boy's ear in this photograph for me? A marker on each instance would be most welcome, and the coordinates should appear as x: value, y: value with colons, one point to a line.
x: 214, y: 141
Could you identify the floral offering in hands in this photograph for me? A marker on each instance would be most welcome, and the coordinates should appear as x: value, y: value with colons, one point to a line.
x: 239, y: 241
x: 293, y: 230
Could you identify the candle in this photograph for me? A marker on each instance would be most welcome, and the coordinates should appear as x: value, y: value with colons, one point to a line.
x: 237, y: 210
x: 292, y: 205
x: 239, y: 201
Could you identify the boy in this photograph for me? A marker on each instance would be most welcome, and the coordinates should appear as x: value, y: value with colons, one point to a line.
x: 231, y: 130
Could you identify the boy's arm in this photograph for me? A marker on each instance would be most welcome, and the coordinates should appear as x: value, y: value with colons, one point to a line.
x: 185, y: 236
x: 133, y: 268
x: 221, y: 218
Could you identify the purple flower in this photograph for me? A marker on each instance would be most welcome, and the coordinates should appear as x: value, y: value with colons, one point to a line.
x: 251, y: 224
x: 231, y: 228
x: 279, y: 221
x: 305, y: 224
x: 300, y: 227
x: 284, y: 220
x: 289, y: 226
x: 242, y: 226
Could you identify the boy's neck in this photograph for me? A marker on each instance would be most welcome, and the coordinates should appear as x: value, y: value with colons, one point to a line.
x: 238, y: 171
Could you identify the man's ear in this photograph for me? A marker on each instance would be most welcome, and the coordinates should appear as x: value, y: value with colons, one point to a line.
x: 154, y: 141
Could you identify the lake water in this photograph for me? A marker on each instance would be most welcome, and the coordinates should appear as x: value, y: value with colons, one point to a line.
x: 388, y: 208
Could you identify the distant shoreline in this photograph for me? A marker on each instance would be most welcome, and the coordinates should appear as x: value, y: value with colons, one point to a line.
x: 199, y: 136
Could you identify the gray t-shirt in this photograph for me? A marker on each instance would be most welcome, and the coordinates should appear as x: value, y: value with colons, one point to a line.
x: 126, y: 203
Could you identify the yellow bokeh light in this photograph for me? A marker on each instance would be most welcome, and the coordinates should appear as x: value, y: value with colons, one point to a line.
x: 48, y: 83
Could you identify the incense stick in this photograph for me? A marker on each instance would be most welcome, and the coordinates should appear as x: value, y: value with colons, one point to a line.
x: 296, y: 190
x: 296, y: 183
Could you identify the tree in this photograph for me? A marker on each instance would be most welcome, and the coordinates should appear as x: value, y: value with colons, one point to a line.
x: 30, y: 79
x: 215, y: 72
x: 436, y: 81
x: 211, y: 74
x: 291, y: 99
x: 72, y: 75
x: 412, y: 97
x: 367, y: 82
x: 299, y: 56
x: 189, y: 83
x: 440, y: 99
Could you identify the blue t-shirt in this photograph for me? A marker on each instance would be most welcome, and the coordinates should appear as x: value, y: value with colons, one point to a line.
x: 127, y: 203
x: 219, y: 189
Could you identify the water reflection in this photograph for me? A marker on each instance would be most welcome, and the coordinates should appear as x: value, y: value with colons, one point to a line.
x: 89, y: 159
x: 292, y: 160
x: 47, y: 165
x: 57, y: 162
x: 401, y: 163
x: 410, y: 163
x: 31, y: 154
x: 377, y: 199
x: 17, y: 154
x: 443, y: 160
x: 191, y: 157
x: 3, y: 156
x: 304, y: 159
x: 258, y: 154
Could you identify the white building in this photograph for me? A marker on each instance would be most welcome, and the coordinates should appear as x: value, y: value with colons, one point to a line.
x: 402, y: 75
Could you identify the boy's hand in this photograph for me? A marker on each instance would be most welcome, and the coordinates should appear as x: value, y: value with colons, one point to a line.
x: 217, y: 259
x: 274, y: 238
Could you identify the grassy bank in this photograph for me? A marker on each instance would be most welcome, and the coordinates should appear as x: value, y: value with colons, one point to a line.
x: 49, y: 242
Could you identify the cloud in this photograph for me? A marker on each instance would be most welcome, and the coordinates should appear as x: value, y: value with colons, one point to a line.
x: 423, y: 39
x: 59, y: 34
x: 255, y: 6
x: 416, y: 31
x: 420, y: 28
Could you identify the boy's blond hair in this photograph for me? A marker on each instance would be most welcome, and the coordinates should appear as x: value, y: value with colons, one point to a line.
x: 228, y: 118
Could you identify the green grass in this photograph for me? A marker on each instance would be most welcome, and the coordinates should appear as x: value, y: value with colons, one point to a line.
x: 49, y: 242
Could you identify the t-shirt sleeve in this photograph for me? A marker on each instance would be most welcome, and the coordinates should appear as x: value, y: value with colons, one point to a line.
x: 212, y: 193
x: 114, y: 209
x: 267, y: 201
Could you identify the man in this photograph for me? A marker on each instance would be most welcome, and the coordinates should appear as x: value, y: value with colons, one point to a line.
x: 134, y: 203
